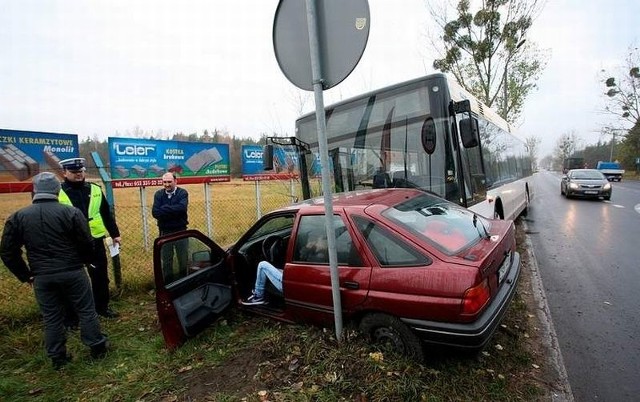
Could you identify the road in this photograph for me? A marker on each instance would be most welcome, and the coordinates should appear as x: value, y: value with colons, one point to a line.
x: 588, y: 253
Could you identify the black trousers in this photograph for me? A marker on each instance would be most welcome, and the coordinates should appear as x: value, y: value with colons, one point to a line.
x: 99, y: 275
x: 178, y: 248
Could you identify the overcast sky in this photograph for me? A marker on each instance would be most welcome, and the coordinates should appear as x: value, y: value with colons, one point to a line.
x: 107, y: 67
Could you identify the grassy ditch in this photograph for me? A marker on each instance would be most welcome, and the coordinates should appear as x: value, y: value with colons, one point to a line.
x: 246, y: 358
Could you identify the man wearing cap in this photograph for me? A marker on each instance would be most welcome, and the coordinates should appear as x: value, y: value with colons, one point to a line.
x: 58, y: 244
x: 89, y: 199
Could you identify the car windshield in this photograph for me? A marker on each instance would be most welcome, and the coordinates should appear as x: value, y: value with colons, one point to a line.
x: 448, y: 226
x: 587, y: 175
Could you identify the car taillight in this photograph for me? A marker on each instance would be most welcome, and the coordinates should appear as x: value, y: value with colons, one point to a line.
x: 475, y: 298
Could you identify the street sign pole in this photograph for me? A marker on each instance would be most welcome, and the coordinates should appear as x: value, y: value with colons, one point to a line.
x: 337, y: 33
x: 316, y: 73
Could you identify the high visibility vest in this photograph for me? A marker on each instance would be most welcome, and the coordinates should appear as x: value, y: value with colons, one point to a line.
x: 96, y: 225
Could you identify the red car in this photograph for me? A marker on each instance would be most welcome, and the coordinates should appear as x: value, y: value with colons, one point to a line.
x: 413, y: 268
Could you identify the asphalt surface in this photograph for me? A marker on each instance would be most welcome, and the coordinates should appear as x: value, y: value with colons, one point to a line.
x: 588, y: 260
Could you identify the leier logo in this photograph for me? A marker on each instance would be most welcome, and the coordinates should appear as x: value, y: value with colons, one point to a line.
x: 134, y: 149
x: 253, y: 154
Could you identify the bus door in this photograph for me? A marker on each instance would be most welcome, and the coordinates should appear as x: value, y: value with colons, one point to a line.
x: 471, y: 158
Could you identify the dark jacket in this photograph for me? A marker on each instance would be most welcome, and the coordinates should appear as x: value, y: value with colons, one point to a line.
x: 80, y: 193
x: 171, y: 213
x: 55, y: 236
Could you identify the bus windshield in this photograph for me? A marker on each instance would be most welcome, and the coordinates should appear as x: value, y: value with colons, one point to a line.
x: 377, y: 141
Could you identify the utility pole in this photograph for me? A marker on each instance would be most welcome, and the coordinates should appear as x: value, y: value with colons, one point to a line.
x: 613, y: 141
x: 505, y: 78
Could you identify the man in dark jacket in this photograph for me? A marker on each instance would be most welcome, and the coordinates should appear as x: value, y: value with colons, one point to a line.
x: 89, y: 199
x: 170, y: 210
x: 58, y: 244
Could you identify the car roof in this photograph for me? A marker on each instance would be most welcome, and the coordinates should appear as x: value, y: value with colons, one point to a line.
x: 386, y: 197
x: 585, y: 170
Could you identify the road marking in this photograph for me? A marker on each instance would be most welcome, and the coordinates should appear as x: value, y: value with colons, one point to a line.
x: 637, y: 208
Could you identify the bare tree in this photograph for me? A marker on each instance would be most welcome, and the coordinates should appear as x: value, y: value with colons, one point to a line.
x: 533, y: 147
x: 566, y: 145
x: 624, y: 93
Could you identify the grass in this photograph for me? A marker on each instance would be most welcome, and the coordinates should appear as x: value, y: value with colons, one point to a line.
x: 248, y: 358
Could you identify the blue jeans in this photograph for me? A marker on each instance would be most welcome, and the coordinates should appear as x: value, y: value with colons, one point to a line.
x: 72, y: 288
x: 267, y: 271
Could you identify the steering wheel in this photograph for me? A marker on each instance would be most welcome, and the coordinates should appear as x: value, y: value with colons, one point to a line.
x: 267, y: 245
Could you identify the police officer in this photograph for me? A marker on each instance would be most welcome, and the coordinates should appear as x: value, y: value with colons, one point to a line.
x: 58, y: 244
x: 89, y: 199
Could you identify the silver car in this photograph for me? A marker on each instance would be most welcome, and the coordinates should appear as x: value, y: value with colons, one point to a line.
x: 587, y: 183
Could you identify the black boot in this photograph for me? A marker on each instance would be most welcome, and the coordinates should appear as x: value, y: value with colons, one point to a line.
x: 60, y: 361
x: 100, y: 350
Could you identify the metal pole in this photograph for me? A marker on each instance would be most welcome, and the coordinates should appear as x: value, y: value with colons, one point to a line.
x: 258, y: 206
x: 314, y: 46
x: 207, y: 203
x: 613, y: 140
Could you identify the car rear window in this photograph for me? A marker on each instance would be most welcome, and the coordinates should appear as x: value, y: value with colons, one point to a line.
x: 443, y: 224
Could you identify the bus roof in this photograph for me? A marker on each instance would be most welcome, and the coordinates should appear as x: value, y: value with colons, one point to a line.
x: 456, y: 92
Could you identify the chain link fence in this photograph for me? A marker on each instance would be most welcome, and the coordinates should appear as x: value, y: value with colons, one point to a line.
x: 223, y: 211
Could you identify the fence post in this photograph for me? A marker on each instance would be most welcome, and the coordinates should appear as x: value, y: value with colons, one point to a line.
x: 207, y: 203
x: 258, y: 207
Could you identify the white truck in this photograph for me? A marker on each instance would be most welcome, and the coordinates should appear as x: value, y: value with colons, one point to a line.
x: 612, y: 170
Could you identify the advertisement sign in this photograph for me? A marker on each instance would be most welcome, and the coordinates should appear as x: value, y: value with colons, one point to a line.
x: 24, y: 154
x: 285, y: 164
x: 139, y: 162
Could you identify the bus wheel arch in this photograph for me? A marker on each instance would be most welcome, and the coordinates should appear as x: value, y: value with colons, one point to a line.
x: 498, y: 211
x: 527, y: 200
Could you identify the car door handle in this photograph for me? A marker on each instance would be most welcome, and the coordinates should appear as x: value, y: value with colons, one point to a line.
x: 351, y: 285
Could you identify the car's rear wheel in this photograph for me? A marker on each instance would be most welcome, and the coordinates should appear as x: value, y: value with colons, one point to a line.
x: 392, y: 335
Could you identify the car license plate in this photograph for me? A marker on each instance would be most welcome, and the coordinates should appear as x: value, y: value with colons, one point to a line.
x: 502, y: 272
x: 590, y: 192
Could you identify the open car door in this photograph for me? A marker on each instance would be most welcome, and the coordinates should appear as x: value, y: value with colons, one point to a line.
x: 193, y: 284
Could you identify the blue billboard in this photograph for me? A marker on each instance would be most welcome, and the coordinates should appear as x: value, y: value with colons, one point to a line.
x: 141, y: 162
x: 285, y: 164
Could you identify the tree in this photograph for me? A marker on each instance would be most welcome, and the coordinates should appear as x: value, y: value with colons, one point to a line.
x: 566, y: 146
x: 630, y: 147
x: 533, y: 146
x: 624, y: 93
x: 487, y: 53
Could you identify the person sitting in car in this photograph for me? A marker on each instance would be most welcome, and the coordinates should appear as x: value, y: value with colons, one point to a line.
x: 315, y: 250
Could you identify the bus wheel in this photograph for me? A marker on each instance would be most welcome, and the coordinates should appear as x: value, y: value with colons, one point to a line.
x: 392, y: 335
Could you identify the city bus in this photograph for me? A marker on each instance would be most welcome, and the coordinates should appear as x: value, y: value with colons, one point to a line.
x: 427, y: 133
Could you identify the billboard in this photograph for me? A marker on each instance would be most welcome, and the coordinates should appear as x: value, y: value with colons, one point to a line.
x: 24, y: 154
x: 138, y: 162
x: 285, y: 164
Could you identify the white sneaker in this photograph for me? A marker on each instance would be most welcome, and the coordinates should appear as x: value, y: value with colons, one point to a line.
x: 254, y: 300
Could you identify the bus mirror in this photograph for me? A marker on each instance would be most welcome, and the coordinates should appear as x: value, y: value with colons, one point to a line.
x: 469, y: 132
x: 267, y: 157
x: 429, y: 136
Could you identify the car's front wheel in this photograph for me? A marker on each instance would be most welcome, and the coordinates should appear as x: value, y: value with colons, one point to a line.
x: 392, y: 335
